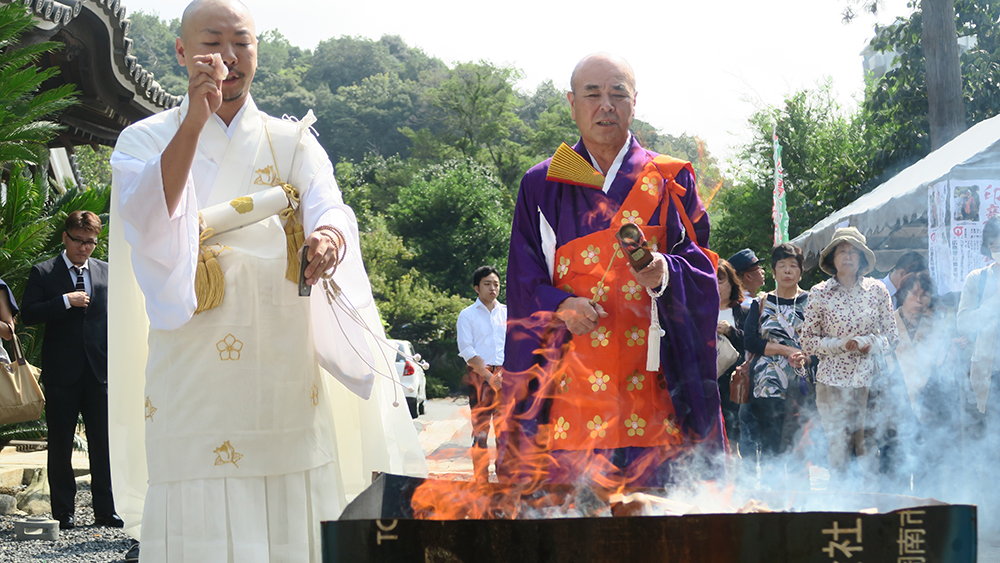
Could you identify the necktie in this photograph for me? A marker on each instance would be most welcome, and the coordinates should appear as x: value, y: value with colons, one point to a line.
x: 79, y: 278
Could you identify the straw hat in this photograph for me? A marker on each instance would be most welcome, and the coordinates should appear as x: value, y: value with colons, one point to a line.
x: 857, y: 240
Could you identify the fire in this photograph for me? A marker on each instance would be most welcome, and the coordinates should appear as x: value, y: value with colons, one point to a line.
x: 537, y: 480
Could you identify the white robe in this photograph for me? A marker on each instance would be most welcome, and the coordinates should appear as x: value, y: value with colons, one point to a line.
x: 249, y: 422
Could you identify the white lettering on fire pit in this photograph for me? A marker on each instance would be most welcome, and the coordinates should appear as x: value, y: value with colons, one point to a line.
x: 379, y: 536
x: 845, y: 546
x: 911, y: 538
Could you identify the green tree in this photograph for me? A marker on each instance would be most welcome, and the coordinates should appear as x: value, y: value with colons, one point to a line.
x: 899, y: 100
x: 456, y: 217
x: 348, y: 60
x: 154, y: 47
x: 477, y: 117
x: 826, y: 157
x: 411, y: 308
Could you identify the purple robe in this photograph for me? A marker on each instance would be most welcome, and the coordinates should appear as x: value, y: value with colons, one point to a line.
x: 688, y: 309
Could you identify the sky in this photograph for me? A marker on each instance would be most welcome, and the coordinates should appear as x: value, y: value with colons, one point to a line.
x: 702, y: 67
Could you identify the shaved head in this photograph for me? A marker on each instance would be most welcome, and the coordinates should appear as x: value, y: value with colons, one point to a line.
x: 217, y: 33
x: 603, y: 60
x: 190, y: 16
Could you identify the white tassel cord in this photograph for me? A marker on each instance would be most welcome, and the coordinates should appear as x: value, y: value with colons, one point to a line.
x: 655, y: 330
x: 335, y: 296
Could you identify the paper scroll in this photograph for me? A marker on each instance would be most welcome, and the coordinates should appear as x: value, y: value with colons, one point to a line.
x: 243, y: 211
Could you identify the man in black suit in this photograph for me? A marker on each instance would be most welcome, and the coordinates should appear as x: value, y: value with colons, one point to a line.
x: 69, y: 294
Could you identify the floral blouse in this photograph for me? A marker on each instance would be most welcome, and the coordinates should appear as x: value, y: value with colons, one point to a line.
x: 835, y: 315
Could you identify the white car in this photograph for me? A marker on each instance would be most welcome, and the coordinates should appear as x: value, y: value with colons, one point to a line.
x: 410, y: 371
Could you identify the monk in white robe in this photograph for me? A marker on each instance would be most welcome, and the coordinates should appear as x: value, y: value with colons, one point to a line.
x: 249, y: 443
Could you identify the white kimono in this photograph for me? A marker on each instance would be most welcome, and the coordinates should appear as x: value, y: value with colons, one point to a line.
x: 249, y: 443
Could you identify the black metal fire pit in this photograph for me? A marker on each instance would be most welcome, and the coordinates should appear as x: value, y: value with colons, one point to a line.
x: 378, y: 527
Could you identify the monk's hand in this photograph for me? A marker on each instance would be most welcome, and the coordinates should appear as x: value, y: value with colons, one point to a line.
x: 580, y: 314
x: 205, y: 86
x: 652, y: 275
x: 323, y: 252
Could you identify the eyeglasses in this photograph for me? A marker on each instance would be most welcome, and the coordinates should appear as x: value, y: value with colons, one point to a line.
x: 81, y: 242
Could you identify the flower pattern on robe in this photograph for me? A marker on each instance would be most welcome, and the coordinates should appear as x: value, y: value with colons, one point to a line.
x: 591, y: 255
x: 599, y: 381
x: 635, y: 425
x: 635, y: 381
x: 599, y: 292
x: 631, y: 216
x: 563, y: 267
x: 314, y: 395
x: 561, y: 429
x: 650, y: 185
x: 618, y: 250
x: 598, y: 428
x: 635, y: 336
x: 564, y: 381
x: 229, y: 348
x: 632, y: 290
x: 600, y: 337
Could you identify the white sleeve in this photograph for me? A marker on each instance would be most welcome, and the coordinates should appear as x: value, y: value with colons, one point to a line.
x: 466, y: 342
x: 164, y: 247
x: 339, y: 329
x: 322, y: 204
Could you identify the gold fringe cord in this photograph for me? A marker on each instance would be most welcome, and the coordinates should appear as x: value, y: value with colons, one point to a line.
x: 209, y: 280
x: 294, y: 235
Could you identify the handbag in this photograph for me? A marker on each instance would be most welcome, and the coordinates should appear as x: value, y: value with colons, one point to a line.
x: 739, y: 385
x: 727, y: 355
x: 21, y: 398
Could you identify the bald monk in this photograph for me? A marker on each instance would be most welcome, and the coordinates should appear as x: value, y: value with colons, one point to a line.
x: 595, y: 387
x: 243, y: 450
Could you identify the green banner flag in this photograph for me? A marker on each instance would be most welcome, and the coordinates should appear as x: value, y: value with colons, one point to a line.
x: 779, y: 208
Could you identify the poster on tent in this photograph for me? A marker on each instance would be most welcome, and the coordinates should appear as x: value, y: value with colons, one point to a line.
x: 956, y: 212
x: 939, y: 260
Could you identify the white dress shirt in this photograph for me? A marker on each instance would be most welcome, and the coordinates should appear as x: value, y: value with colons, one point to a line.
x: 87, y: 286
x: 482, y: 332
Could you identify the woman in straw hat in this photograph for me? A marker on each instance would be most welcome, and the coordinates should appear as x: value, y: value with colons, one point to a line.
x: 849, y: 325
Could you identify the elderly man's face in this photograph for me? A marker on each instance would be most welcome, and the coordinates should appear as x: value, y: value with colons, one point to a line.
x: 602, y: 102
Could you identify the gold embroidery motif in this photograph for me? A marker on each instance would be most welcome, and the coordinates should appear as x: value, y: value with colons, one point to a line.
x: 314, y: 395
x: 150, y: 409
x: 562, y: 426
x: 267, y: 176
x: 635, y: 425
x: 229, y: 348
x: 598, y: 428
x: 242, y: 204
x: 227, y: 454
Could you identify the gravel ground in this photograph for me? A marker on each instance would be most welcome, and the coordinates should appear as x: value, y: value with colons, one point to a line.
x: 85, y: 543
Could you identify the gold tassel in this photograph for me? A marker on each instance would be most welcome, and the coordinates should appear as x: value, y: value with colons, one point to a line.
x: 209, y: 280
x: 294, y: 235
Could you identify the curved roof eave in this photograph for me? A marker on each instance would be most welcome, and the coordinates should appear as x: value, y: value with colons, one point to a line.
x: 53, y: 14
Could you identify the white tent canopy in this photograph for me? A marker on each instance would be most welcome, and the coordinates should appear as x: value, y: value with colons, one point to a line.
x: 898, y: 208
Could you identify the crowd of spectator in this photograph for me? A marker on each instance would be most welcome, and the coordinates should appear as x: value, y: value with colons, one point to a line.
x: 873, y: 379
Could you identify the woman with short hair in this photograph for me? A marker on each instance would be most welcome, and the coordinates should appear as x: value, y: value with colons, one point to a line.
x: 780, y: 372
x: 850, y: 326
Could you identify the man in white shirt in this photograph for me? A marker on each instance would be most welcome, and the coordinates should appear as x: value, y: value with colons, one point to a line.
x: 482, y: 330
x: 909, y: 263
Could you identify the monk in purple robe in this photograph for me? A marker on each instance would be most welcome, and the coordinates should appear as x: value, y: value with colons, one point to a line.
x: 610, y: 373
